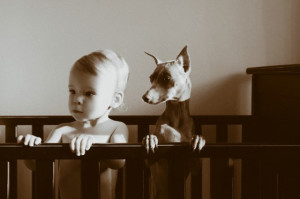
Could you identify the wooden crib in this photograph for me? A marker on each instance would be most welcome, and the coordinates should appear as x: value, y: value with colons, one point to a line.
x: 133, y: 180
x: 269, y: 150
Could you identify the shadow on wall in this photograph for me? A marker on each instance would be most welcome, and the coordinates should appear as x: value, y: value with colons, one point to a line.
x: 228, y: 96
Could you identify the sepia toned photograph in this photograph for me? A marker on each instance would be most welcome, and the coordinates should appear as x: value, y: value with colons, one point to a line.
x: 135, y: 99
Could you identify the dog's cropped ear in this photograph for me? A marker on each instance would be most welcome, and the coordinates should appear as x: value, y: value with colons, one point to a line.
x: 183, y: 59
x: 157, y: 61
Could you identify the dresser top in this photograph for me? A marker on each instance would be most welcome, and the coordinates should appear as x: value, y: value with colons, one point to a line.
x: 286, y: 69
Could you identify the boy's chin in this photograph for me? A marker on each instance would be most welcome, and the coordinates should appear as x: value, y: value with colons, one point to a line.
x: 79, y: 118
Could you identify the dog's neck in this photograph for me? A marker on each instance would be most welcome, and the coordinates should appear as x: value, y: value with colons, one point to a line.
x: 177, y: 112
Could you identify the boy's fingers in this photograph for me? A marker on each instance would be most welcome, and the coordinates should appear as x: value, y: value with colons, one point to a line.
x: 72, y: 144
x: 89, y: 143
x: 32, y: 140
x: 78, y: 144
x: 27, y: 139
x: 38, y: 140
x: 83, y: 145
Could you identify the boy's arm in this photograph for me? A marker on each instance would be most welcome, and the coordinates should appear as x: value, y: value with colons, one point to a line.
x: 120, y: 135
x: 55, y: 135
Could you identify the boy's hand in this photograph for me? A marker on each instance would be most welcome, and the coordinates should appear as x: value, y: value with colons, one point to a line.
x: 81, y: 143
x: 29, y: 140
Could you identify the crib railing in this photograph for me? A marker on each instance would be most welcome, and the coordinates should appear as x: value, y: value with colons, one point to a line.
x: 136, y: 175
x: 134, y: 154
x: 221, y: 173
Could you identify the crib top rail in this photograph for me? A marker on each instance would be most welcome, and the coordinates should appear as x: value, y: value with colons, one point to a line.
x: 136, y: 151
x: 128, y: 119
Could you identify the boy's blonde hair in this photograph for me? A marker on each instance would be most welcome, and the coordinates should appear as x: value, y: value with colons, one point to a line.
x: 98, y: 61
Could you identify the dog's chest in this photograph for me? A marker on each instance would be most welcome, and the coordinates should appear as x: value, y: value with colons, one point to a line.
x: 175, y: 131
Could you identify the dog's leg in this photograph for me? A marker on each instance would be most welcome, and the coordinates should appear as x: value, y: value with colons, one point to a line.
x: 159, y: 176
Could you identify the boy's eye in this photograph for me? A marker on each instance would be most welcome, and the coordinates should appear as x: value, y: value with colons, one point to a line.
x: 72, y: 91
x: 90, y: 93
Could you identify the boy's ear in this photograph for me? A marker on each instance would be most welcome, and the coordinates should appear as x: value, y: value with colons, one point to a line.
x: 184, y: 60
x: 117, y: 99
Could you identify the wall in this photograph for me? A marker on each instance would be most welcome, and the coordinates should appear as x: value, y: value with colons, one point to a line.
x: 40, y: 40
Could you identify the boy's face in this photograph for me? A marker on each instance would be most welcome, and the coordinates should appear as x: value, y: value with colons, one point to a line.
x: 90, y: 95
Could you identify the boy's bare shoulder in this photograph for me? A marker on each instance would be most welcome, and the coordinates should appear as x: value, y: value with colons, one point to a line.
x: 120, y: 133
x: 118, y: 124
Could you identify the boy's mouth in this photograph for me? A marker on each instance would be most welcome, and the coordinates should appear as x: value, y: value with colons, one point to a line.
x: 76, y: 111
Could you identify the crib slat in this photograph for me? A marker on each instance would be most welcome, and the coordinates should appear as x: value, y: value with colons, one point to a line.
x: 3, y: 179
x: 13, y: 193
x: 251, y: 168
x: 196, y: 178
x: 196, y: 184
x: 10, y: 137
x: 135, y: 178
x: 221, y: 173
x: 37, y: 130
x: 221, y: 132
x: 143, y: 130
x: 10, y: 133
x: 44, y: 180
x: 90, y: 182
x: 176, y: 178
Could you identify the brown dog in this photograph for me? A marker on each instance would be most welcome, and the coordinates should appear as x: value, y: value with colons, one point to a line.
x: 171, y: 84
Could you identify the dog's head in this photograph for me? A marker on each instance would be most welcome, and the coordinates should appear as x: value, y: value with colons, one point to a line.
x: 170, y: 80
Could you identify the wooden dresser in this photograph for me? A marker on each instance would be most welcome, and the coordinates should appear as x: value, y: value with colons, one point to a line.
x: 276, y: 120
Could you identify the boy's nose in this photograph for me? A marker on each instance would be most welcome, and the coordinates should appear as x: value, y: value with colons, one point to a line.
x: 78, y: 99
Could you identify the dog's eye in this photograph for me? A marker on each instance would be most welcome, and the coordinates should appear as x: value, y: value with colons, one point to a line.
x: 167, y: 78
x: 72, y: 91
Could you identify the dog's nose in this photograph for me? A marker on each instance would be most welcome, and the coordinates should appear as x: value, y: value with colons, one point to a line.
x: 146, y: 98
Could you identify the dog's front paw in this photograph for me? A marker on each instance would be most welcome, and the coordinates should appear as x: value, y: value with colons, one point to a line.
x: 198, y: 142
x: 150, y: 142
